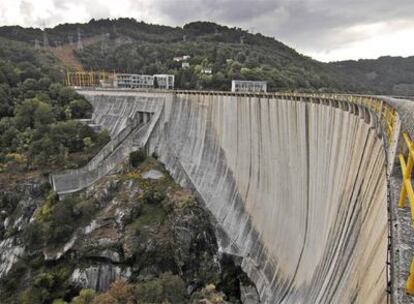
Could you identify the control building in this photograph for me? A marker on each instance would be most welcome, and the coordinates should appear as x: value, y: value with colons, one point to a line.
x: 133, y: 81
x: 248, y: 86
x: 164, y: 81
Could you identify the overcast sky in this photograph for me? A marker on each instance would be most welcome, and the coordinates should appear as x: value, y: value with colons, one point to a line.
x: 323, y: 29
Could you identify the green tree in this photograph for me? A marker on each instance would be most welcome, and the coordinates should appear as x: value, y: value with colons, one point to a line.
x: 80, y: 108
x: 25, y: 114
x: 85, y: 296
x: 43, y: 114
x: 29, y: 84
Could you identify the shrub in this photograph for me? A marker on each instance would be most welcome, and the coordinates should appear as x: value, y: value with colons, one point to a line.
x: 137, y: 157
x: 167, y: 288
x: 15, y: 162
x: 45, y: 188
x: 119, y: 293
x: 154, y: 195
x: 102, y: 138
x: 85, y: 297
x: 80, y: 108
x: 46, y: 209
x: 48, y: 287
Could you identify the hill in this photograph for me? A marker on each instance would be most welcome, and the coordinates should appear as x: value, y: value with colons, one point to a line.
x: 126, y: 45
x: 39, y: 127
x: 387, y: 75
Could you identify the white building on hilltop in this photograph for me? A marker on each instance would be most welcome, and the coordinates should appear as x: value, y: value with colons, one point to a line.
x: 248, y: 86
x: 182, y: 58
x: 207, y: 71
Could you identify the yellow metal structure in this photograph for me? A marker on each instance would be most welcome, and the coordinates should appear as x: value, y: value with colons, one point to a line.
x: 86, y: 79
x: 409, y: 287
x: 384, y: 111
x: 407, y: 190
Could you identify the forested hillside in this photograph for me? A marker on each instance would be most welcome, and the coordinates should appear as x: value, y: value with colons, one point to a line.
x: 125, y: 45
x: 387, y: 75
x: 38, y: 127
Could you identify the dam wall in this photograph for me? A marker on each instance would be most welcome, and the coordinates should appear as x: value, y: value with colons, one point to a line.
x: 298, y: 187
x: 129, y: 122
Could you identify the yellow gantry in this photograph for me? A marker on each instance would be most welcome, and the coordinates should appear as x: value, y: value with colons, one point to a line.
x: 86, y: 79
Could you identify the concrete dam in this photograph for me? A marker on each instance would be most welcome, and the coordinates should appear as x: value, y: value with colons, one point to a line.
x: 297, y: 185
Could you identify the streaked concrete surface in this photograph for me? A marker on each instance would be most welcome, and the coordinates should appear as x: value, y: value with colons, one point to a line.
x: 299, y: 189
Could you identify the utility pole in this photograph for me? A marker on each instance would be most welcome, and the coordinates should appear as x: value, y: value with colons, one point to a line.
x: 70, y: 39
x: 79, y: 46
x: 45, y: 39
x: 37, y: 44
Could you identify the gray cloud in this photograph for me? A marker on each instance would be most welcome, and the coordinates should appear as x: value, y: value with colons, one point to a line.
x: 312, y: 26
x: 226, y: 10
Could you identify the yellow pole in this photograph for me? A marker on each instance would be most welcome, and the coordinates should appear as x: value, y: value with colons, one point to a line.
x: 406, y: 169
x: 409, y: 287
x: 403, y: 194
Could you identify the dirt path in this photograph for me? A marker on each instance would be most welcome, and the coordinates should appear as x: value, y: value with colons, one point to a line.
x: 66, y: 54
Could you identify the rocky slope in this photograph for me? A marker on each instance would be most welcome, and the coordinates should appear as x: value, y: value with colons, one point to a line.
x: 136, y: 228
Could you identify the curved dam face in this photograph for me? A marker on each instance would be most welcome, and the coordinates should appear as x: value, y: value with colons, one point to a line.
x: 298, y: 188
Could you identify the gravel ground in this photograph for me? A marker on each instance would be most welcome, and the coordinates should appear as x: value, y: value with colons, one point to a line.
x: 402, y: 229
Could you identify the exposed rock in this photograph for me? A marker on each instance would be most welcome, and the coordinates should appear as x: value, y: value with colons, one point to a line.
x: 135, y: 226
x: 111, y: 256
x: 99, y: 277
x: 249, y: 295
x: 152, y: 174
x: 17, y: 206
x: 48, y: 255
x: 9, y: 255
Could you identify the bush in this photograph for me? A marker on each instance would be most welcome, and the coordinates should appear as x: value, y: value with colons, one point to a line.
x: 102, y: 138
x: 167, y: 288
x: 85, y: 297
x: 154, y: 195
x: 137, y: 157
x: 45, y: 188
x: 48, y: 287
x: 80, y: 108
x: 119, y: 293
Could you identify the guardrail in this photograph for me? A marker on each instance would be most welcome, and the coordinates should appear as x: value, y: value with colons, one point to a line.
x: 407, y: 191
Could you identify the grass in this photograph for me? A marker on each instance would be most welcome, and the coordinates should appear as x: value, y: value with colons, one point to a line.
x: 151, y: 215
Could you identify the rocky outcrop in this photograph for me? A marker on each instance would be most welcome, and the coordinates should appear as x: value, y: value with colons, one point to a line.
x: 17, y: 205
x: 133, y: 226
